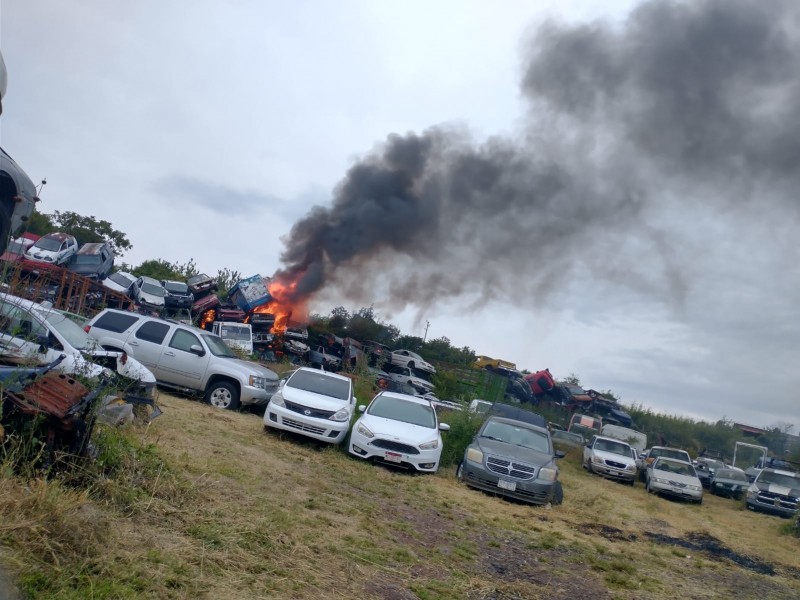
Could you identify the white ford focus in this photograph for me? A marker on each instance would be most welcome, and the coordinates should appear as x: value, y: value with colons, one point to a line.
x: 400, y: 430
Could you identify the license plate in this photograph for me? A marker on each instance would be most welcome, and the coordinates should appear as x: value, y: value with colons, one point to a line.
x: 507, y: 485
x: 393, y: 457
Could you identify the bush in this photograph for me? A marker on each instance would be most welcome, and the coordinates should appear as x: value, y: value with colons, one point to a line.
x: 463, y: 427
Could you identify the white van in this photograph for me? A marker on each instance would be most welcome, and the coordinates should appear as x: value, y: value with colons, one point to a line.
x: 239, y: 336
x: 636, y: 439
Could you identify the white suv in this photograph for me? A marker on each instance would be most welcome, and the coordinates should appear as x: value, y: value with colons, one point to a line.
x: 185, y: 358
x: 313, y: 403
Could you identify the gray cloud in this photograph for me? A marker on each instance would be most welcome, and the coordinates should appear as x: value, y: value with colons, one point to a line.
x: 217, y: 197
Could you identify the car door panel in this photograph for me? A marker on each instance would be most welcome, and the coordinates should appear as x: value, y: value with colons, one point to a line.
x: 182, y: 366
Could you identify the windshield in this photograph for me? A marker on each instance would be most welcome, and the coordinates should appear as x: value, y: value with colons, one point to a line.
x: 176, y: 286
x: 516, y: 435
x: 778, y: 479
x: 613, y: 447
x: 731, y: 474
x: 88, y: 259
x: 70, y: 331
x: 48, y: 244
x: 319, y: 383
x: 234, y: 332
x: 576, y: 390
x: 120, y: 279
x: 713, y: 464
x: 152, y: 289
x: 405, y: 411
x: 199, y: 279
x: 673, y: 466
x: 669, y: 452
x: 217, y: 346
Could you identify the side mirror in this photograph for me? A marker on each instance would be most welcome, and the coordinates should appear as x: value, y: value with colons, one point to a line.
x: 559, y: 454
x: 444, y: 427
x: 196, y: 349
x: 362, y: 408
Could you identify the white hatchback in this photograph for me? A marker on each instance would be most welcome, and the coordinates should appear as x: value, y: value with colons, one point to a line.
x: 313, y: 403
x: 399, y: 430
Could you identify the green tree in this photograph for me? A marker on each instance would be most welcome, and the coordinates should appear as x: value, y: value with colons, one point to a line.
x: 159, y: 269
x: 40, y: 223
x: 90, y: 229
x: 226, y: 279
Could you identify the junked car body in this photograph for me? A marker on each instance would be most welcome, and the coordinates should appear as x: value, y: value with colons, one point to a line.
x: 412, y: 360
x: 53, y: 248
x: 675, y: 478
x: 610, y: 457
x: 775, y: 491
x: 729, y: 482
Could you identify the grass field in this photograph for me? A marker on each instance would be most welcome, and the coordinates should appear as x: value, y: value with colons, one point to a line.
x: 203, y: 503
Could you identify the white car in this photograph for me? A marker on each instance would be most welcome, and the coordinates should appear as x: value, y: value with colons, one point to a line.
x: 149, y: 293
x: 412, y: 360
x: 674, y: 478
x: 120, y: 281
x: 38, y: 333
x: 406, y: 375
x: 53, y: 248
x: 610, y: 457
x: 313, y: 403
x: 399, y: 430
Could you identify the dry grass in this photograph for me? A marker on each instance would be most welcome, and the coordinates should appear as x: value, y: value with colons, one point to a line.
x: 204, y: 504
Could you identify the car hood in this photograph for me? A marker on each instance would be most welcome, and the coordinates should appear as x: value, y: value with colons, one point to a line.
x: 250, y: 368
x: 132, y: 368
x: 517, y: 453
x: 779, y: 489
x: 42, y: 254
x: 628, y: 460
x: 311, y: 399
x: 670, y: 476
x: 151, y: 298
x: 398, y: 431
x: 112, y: 285
x: 726, y: 481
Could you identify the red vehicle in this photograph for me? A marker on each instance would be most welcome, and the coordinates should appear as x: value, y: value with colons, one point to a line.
x: 18, y: 247
x: 540, y: 382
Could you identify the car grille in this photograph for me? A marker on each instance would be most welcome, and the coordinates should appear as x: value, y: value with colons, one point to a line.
x: 503, y: 466
x: 271, y: 387
x: 309, y: 412
x: 395, y: 446
x: 677, y: 484
x: 531, y: 496
x: 303, y: 426
x: 616, y: 465
x: 778, y: 500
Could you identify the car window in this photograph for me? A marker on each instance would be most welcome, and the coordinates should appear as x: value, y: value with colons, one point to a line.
x: 16, y: 322
x: 217, y: 346
x: 184, y: 340
x: 71, y: 331
x: 613, y: 447
x: 120, y: 280
x: 116, y: 322
x: 516, y: 435
x: 153, y: 331
x: 319, y: 383
x: 731, y: 474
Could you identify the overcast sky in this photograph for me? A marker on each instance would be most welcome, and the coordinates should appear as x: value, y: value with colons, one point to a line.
x: 206, y: 130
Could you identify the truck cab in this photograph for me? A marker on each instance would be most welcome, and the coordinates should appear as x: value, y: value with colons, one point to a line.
x: 238, y: 336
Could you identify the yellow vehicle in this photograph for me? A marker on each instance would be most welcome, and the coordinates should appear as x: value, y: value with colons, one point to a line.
x: 487, y: 362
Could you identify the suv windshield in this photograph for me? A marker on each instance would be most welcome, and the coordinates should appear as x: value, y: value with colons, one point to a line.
x: 320, y: 383
x: 397, y: 409
x: 235, y: 332
x: 176, y: 286
x: 613, y: 447
x: 70, y: 331
x: 152, y: 289
x: 217, y: 346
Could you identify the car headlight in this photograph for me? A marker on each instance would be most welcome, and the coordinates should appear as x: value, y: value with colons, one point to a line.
x: 474, y: 455
x: 660, y: 480
x: 630, y: 468
x: 277, y: 400
x: 597, y: 460
x: 548, y: 474
x: 340, y: 415
x: 752, y: 491
x: 429, y: 445
x: 694, y: 488
x: 259, y: 382
x: 362, y: 429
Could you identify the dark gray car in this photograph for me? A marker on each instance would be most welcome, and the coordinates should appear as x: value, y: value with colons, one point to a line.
x: 93, y: 260
x: 513, y: 459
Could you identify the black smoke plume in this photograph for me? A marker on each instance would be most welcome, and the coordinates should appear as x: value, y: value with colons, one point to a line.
x: 683, y: 102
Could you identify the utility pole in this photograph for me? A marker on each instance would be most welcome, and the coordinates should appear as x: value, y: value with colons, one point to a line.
x: 425, y: 337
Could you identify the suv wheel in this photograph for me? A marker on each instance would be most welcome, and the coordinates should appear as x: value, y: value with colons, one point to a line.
x: 223, y: 395
x: 460, y: 471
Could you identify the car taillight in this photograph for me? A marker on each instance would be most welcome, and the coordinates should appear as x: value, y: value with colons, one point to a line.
x: 86, y: 328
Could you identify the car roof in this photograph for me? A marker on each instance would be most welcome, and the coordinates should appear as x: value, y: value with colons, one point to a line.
x: 325, y: 373
x: 399, y: 396
x: 56, y: 235
x: 91, y: 248
x: 677, y: 460
x: 512, y: 421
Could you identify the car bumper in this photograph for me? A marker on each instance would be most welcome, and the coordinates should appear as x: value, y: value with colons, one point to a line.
x: 427, y: 461
x: 770, y: 508
x: 533, y: 491
x: 177, y: 303
x: 676, y: 492
x: 323, y: 430
x: 253, y: 396
x: 613, y: 472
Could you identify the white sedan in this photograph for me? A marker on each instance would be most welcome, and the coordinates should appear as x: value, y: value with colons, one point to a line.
x: 412, y: 360
x: 400, y: 430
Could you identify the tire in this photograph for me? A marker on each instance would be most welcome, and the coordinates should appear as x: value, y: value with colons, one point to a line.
x: 699, y: 502
x: 411, y: 365
x: 222, y: 394
x: 632, y: 482
x: 558, y: 494
x: 647, y: 487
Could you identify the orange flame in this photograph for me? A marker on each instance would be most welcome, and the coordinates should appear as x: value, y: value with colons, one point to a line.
x: 283, y: 306
x: 207, y: 318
